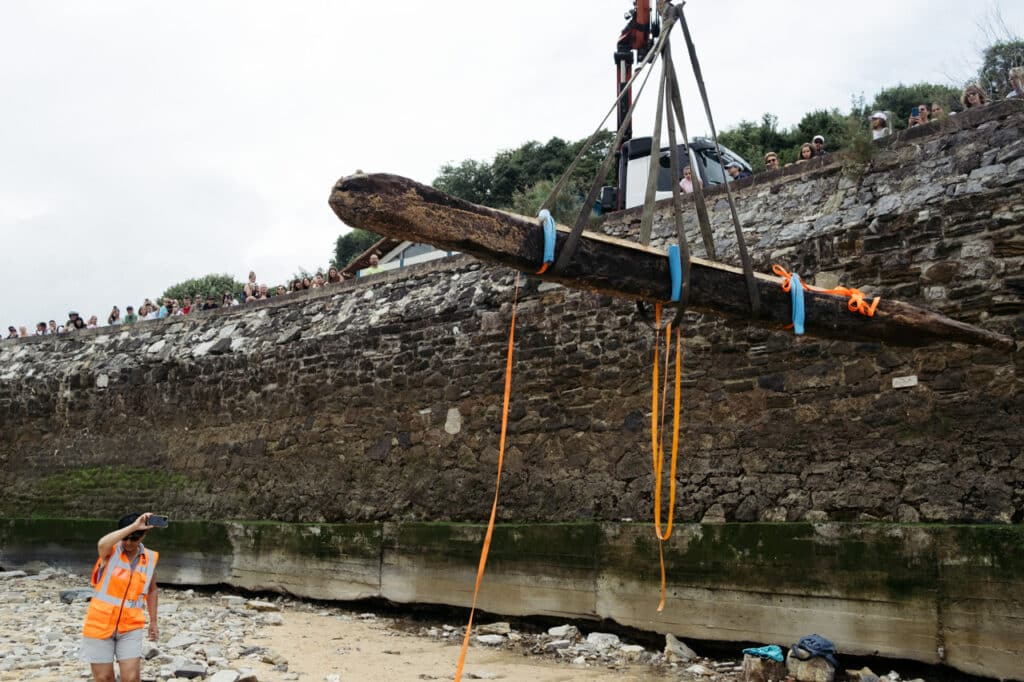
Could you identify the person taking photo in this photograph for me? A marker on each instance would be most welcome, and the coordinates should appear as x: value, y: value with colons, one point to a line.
x: 125, y: 589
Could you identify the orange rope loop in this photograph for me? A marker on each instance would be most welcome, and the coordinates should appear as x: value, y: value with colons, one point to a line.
x: 657, y: 445
x: 857, y: 302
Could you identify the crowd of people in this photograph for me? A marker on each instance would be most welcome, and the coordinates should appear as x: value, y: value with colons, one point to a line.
x: 169, y: 306
x: 973, y: 96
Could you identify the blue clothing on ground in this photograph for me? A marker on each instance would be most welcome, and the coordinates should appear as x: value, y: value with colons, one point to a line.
x: 772, y: 651
x: 816, y: 645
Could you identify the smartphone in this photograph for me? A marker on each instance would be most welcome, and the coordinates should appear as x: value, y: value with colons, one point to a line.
x: 916, y: 111
x: 158, y: 521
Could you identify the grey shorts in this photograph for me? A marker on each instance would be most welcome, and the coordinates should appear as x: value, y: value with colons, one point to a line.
x: 121, y: 647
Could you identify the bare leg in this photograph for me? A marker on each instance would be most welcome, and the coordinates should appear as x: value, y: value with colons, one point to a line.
x: 131, y: 669
x: 103, y: 672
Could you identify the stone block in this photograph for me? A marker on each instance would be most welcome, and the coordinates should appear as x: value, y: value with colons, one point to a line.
x: 757, y: 669
x: 491, y: 640
x: 677, y: 650
x: 71, y: 596
x: 865, y: 674
x: 190, y: 671
x: 603, y: 640
x: 225, y: 676
x: 499, y: 628
x: 221, y: 346
x: 811, y: 670
x: 570, y: 632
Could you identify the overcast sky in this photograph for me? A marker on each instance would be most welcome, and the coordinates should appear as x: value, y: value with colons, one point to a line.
x: 145, y: 143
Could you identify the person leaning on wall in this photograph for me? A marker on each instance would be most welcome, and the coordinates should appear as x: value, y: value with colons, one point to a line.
x: 1016, y: 77
x: 124, y: 581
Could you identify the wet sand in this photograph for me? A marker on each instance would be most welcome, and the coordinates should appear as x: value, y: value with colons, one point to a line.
x: 320, y: 645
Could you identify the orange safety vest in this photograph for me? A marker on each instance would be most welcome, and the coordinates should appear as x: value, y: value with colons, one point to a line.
x: 120, y: 593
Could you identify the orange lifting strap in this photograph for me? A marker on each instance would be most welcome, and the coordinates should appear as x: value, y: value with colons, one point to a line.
x: 857, y: 303
x: 657, y: 445
x: 497, y: 484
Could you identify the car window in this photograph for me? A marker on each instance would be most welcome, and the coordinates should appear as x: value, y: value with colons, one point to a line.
x: 712, y: 170
x: 665, y: 169
x: 665, y: 173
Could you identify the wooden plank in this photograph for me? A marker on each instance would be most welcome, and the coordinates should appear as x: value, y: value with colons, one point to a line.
x: 403, y: 209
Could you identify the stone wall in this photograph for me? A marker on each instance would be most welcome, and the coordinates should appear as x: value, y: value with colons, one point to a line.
x: 380, y: 399
x: 375, y: 405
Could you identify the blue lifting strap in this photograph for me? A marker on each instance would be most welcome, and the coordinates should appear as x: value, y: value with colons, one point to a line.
x: 796, y: 291
x: 549, y: 239
x: 675, y: 267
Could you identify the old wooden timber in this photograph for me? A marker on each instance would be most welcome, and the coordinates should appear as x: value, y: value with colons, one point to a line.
x: 400, y: 208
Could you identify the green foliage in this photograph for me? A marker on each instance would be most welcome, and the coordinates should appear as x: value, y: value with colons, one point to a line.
x: 753, y: 140
x: 519, y: 170
x: 351, y: 244
x: 829, y: 123
x: 900, y: 99
x: 998, y: 59
x: 208, y: 285
x: 859, y: 144
x: 586, y: 171
x: 470, y: 180
x: 566, y: 208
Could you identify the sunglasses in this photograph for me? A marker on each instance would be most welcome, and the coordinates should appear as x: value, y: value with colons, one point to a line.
x: 136, y: 536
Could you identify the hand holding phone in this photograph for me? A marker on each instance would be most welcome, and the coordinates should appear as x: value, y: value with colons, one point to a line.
x: 157, y: 521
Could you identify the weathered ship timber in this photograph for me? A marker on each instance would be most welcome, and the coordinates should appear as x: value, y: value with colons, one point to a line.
x: 403, y: 209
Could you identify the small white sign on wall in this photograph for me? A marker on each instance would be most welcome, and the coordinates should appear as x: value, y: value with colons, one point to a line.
x: 904, y: 382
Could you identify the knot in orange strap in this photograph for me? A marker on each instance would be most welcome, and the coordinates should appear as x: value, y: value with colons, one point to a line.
x: 787, y: 278
x: 857, y: 302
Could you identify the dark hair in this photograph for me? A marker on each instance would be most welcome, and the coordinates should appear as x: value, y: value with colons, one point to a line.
x: 127, y: 519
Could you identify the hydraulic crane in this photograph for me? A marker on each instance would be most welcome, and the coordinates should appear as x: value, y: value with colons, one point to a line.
x: 639, y: 35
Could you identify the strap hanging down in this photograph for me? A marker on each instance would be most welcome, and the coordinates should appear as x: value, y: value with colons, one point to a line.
x: 549, y: 203
x: 497, y: 485
x: 677, y: 213
x: 654, y: 163
x: 699, y: 203
x: 573, y: 240
x: 657, y: 434
x: 748, y: 272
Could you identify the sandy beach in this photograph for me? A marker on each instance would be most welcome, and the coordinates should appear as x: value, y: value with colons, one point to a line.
x: 270, y: 640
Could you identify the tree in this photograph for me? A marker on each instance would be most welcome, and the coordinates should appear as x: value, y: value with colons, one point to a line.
x: 519, y: 170
x: 586, y: 171
x: 566, y: 208
x: 200, y: 287
x: 900, y: 99
x: 999, y: 58
x: 470, y: 180
x: 828, y: 123
x: 753, y: 140
x: 352, y: 244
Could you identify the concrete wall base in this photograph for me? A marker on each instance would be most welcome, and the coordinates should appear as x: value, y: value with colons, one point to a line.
x: 938, y: 594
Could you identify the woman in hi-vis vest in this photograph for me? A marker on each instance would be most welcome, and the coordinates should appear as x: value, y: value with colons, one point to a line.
x: 123, y: 579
